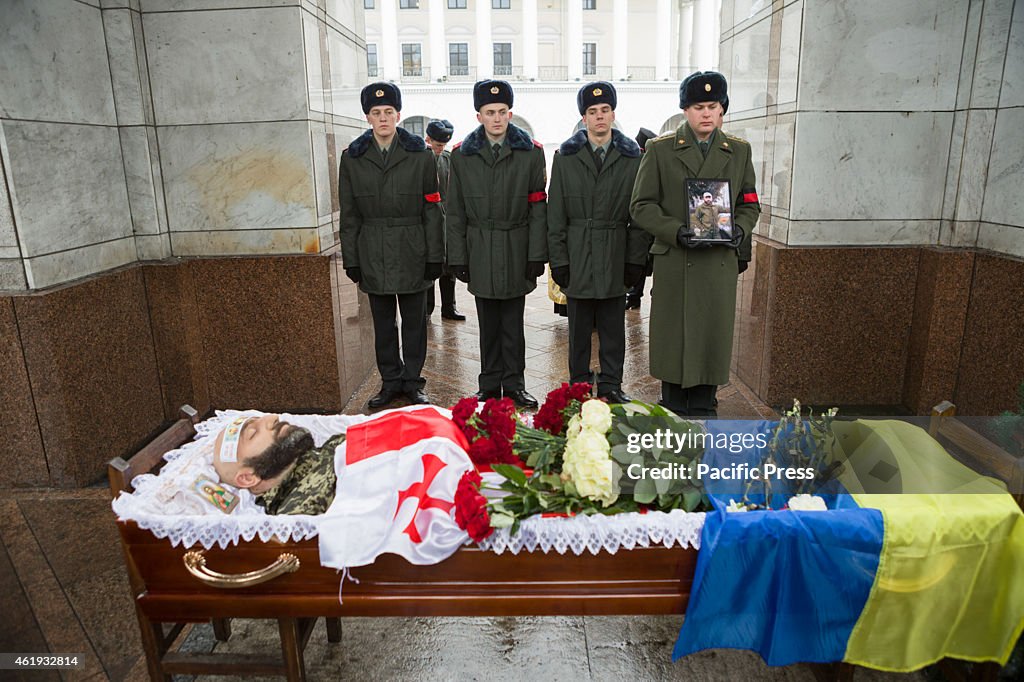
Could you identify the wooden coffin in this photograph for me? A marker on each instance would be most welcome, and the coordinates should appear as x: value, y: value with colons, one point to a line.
x: 173, y: 586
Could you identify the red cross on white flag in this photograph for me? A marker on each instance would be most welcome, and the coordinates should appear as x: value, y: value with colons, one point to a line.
x: 397, y: 475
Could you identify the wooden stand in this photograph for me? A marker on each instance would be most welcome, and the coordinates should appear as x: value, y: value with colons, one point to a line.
x: 471, y: 582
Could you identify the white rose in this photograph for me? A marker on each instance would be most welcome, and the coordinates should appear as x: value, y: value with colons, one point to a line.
x: 589, y: 467
x: 596, y: 415
x: 573, y: 428
x: 807, y: 503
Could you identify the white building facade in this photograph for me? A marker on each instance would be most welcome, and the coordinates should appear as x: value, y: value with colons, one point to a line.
x: 547, y: 49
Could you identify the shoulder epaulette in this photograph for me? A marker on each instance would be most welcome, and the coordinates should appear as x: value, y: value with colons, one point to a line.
x: 538, y: 145
x: 457, y: 144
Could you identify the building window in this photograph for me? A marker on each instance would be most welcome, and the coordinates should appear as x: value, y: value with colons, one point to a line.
x: 502, y: 59
x: 456, y: 4
x: 415, y: 125
x: 408, y: 4
x: 589, y: 59
x: 501, y: 4
x: 371, y: 60
x: 458, y: 59
x: 412, y: 60
x: 367, y: 4
x: 589, y: 4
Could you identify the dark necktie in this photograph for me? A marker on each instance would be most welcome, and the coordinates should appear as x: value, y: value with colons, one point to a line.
x: 384, y: 155
x: 599, y: 158
x: 704, y: 146
x: 496, y: 149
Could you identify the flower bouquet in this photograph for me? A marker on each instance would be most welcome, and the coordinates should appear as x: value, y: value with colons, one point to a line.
x: 572, y: 460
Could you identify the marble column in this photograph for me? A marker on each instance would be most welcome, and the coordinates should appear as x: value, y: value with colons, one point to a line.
x: 389, y: 57
x: 620, y: 55
x: 438, y: 51
x: 685, y: 53
x: 663, y: 37
x: 574, y: 40
x: 530, y: 39
x: 484, y: 45
x: 705, y: 39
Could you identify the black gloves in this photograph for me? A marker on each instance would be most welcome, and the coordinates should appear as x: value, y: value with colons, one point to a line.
x: 461, y: 273
x: 561, y: 275
x: 741, y: 265
x: 354, y: 274
x: 634, y: 273
x: 534, y: 269
x: 432, y: 271
x: 683, y: 237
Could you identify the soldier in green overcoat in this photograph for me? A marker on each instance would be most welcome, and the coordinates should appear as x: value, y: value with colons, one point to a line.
x: 596, y: 250
x: 439, y: 133
x: 392, y: 237
x: 694, y: 294
x: 497, y: 234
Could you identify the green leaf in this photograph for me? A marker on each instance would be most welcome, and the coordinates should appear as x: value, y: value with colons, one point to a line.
x: 645, y: 491
x: 511, y: 472
x: 553, y: 480
x: 542, y: 500
x: 621, y: 454
x: 502, y: 520
x: 662, y: 484
x: 625, y: 429
x: 691, y: 500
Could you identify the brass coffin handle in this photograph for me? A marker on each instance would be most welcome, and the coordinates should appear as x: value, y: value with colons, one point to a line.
x: 195, y: 562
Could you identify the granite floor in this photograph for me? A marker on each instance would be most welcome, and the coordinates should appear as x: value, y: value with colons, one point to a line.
x: 63, y: 587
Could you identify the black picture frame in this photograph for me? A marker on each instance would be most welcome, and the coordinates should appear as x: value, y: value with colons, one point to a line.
x: 709, y: 223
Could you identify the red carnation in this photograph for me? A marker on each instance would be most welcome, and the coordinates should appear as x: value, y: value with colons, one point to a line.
x: 471, y: 507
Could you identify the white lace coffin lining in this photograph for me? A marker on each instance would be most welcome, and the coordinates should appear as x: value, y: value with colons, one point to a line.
x: 166, y: 506
x: 600, y: 533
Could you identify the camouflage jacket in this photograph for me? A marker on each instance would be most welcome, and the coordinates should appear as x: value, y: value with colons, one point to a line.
x: 309, y: 488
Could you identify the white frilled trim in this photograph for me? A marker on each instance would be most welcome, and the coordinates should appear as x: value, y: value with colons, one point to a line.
x: 600, y: 533
x: 166, y: 506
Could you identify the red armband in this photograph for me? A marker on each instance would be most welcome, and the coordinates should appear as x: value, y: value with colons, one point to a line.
x: 534, y: 197
x: 749, y: 198
x: 433, y: 198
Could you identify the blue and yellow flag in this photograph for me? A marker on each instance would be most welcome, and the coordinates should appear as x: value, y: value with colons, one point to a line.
x: 888, y: 581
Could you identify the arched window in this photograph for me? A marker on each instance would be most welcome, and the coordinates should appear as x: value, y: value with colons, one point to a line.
x: 671, y: 124
x: 417, y: 125
x: 521, y: 122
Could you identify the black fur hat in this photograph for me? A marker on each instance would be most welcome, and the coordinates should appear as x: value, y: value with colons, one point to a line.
x: 380, y: 94
x: 491, y: 92
x: 598, y: 92
x: 440, y: 130
x: 704, y: 86
x: 643, y: 136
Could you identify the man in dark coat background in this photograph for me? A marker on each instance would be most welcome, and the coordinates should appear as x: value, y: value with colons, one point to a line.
x: 439, y: 133
x: 694, y: 296
x: 596, y: 251
x: 636, y: 294
x: 497, y: 234
x: 392, y: 237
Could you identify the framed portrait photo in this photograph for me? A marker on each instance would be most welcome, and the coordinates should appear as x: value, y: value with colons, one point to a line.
x: 710, y: 206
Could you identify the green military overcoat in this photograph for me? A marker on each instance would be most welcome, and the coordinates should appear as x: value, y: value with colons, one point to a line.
x: 694, y: 294
x: 589, y: 226
x: 391, y: 219
x: 496, y: 213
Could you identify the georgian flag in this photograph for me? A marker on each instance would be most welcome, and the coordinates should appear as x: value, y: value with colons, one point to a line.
x: 397, y: 476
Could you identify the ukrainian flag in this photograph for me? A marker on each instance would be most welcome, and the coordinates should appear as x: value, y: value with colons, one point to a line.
x: 890, y: 581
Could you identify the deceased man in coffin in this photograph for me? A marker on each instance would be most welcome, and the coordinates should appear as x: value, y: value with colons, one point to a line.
x: 278, y: 463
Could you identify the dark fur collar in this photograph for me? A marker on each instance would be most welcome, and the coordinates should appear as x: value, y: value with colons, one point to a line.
x: 516, y: 136
x: 625, y: 145
x: 409, y: 142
